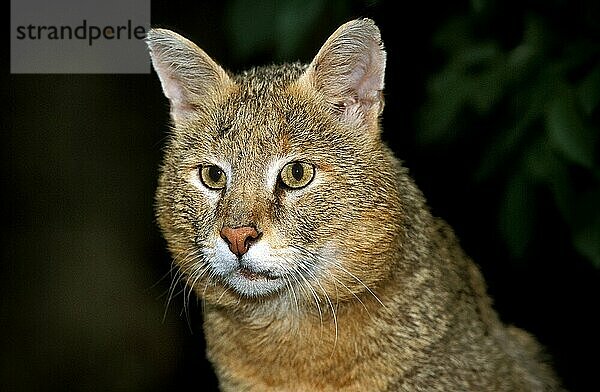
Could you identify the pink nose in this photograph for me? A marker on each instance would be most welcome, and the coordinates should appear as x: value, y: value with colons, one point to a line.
x: 239, y: 239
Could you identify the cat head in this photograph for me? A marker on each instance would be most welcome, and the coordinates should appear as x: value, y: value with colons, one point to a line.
x: 275, y: 182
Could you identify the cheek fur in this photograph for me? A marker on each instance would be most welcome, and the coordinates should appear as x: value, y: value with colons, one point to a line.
x: 220, y: 258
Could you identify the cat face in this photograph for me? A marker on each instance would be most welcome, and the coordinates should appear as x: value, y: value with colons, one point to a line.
x: 276, y: 181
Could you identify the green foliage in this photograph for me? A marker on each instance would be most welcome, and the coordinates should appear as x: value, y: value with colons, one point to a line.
x: 536, y: 102
x: 279, y: 29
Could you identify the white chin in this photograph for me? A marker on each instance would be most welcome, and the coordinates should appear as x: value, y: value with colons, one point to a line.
x: 254, y: 285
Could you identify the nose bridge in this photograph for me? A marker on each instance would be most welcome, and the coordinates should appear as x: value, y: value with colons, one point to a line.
x: 246, y: 200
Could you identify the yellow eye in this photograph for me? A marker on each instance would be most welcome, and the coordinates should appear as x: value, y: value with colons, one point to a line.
x: 297, y: 174
x: 213, y: 177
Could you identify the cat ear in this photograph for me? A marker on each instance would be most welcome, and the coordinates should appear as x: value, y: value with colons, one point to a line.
x: 349, y: 70
x: 189, y: 77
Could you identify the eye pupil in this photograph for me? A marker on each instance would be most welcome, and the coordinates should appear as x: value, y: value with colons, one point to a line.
x: 297, y: 171
x: 215, y: 173
x: 296, y: 175
x: 212, y: 177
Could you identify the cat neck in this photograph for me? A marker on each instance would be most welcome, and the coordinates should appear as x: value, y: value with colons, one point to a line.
x: 280, y: 341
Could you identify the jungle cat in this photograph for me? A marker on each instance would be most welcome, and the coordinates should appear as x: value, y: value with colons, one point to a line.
x: 318, y: 262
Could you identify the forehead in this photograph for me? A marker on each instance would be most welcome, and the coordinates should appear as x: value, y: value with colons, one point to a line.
x: 263, y: 110
x: 263, y: 97
x: 264, y: 117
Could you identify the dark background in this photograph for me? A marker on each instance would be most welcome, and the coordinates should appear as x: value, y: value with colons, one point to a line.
x: 492, y: 105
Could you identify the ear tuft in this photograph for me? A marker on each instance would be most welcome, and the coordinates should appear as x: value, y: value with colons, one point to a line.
x: 189, y: 77
x: 349, y: 69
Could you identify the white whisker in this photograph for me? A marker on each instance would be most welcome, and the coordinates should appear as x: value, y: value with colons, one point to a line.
x: 361, y: 282
x: 335, y: 323
x: 178, y: 264
x: 351, y: 292
x: 313, y: 293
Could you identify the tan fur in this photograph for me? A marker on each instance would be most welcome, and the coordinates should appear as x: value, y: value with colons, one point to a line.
x: 378, y: 295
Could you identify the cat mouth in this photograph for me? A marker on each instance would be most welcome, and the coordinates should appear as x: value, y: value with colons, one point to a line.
x: 252, y: 275
x: 250, y: 282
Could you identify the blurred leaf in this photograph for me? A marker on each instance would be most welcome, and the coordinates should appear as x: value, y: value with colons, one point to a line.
x: 251, y: 26
x: 477, y: 55
x: 534, y: 106
x: 295, y: 19
x: 447, y: 96
x: 275, y: 29
x: 454, y: 35
x: 517, y: 215
x: 503, y: 147
x: 539, y: 161
x: 478, y: 5
x: 567, y: 130
x: 470, y: 80
x: 482, y: 67
x: 588, y: 91
x: 580, y: 212
x: 587, y: 242
x: 586, y: 236
x: 550, y: 169
x: 526, y: 56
